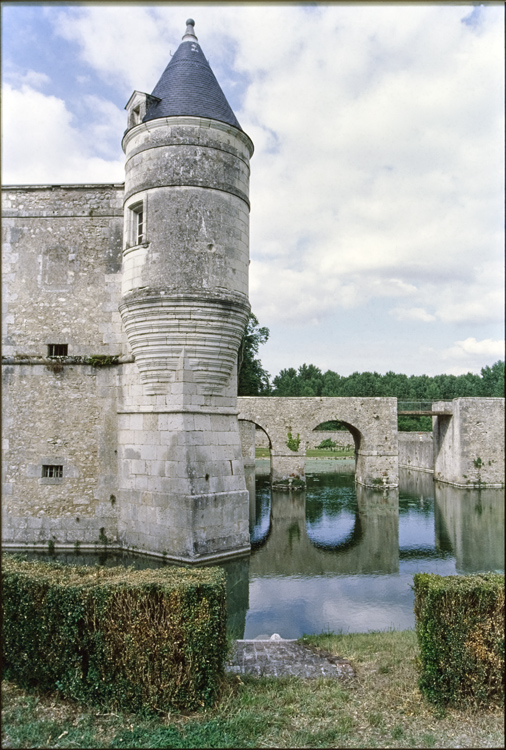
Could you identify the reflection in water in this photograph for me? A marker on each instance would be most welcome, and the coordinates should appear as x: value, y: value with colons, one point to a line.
x: 334, y: 527
x: 471, y: 524
x: 332, y: 518
x: 342, y: 557
x: 339, y: 556
x: 416, y: 517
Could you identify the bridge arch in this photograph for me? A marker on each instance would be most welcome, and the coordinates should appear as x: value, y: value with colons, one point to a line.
x: 259, y: 426
x: 371, y: 421
x: 354, y: 431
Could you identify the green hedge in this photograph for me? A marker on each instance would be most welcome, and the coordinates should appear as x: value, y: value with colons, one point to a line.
x: 460, y: 630
x: 115, y: 637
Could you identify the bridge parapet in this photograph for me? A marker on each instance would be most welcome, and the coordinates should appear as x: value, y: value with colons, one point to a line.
x: 424, y: 408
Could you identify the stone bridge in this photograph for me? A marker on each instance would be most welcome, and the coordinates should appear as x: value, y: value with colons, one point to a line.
x: 467, y: 449
x: 371, y: 421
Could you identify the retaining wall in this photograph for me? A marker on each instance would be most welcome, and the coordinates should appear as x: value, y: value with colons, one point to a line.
x: 416, y: 451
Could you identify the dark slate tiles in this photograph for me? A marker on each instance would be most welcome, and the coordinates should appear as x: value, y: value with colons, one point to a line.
x: 188, y: 86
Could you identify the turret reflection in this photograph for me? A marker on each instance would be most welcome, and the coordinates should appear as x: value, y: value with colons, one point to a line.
x: 237, y: 572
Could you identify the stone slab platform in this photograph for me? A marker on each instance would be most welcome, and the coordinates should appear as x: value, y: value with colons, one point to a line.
x: 285, y: 657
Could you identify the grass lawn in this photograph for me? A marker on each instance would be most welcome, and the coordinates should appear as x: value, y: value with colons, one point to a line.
x: 311, y: 453
x: 380, y: 707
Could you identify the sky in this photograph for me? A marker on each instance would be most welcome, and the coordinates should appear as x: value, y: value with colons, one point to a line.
x: 377, y: 182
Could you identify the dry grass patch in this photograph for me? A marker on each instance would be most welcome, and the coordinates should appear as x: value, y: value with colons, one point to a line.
x: 386, y: 705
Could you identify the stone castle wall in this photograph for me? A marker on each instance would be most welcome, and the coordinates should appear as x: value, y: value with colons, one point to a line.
x: 61, y: 285
x: 62, y: 262
x: 65, y: 418
x: 372, y: 423
x: 469, y: 446
x: 61, y: 269
x: 184, y: 305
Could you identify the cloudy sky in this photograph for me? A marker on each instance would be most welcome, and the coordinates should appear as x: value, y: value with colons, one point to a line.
x: 377, y: 183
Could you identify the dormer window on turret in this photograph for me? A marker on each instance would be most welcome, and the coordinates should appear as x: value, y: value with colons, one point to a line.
x: 137, y: 106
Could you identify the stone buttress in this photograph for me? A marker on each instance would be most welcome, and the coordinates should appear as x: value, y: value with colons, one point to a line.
x: 184, y: 307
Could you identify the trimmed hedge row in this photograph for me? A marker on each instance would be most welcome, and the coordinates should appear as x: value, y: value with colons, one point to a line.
x: 115, y: 637
x: 460, y: 630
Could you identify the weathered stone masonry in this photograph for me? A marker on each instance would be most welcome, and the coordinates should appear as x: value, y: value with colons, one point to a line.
x: 469, y: 445
x: 61, y: 275
x: 371, y: 421
x: 466, y: 448
x: 84, y: 418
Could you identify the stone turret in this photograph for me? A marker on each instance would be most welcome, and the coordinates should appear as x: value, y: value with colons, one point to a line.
x: 184, y: 307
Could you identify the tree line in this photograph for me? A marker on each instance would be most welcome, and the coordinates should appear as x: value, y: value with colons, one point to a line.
x: 309, y: 380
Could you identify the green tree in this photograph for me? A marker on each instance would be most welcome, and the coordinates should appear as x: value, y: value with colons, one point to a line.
x: 332, y: 426
x: 311, y: 379
x: 395, y: 385
x: 252, y: 379
x: 362, y: 384
x: 414, y: 424
x: 287, y: 383
x: 492, y: 380
x: 308, y: 380
x: 332, y: 384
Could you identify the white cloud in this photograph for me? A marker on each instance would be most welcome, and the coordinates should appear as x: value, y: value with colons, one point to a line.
x: 412, y: 313
x: 31, y: 78
x: 42, y: 142
x: 394, y: 170
x: 468, y: 355
x: 122, y: 43
x: 484, y: 308
x: 379, y: 149
x: 486, y: 347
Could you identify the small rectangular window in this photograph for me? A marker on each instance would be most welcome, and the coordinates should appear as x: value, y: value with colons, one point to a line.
x: 57, y: 350
x: 52, y: 471
x: 139, y: 225
x: 137, y: 229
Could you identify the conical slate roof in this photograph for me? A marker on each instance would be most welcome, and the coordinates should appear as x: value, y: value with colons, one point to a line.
x: 188, y: 86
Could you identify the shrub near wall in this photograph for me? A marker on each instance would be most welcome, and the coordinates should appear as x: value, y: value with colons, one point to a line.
x: 460, y: 629
x: 116, y: 637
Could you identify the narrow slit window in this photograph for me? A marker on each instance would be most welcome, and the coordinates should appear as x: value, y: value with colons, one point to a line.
x: 52, y: 471
x: 57, y: 350
x: 137, y: 224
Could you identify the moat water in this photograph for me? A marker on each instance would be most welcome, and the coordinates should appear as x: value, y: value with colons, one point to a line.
x: 339, y: 557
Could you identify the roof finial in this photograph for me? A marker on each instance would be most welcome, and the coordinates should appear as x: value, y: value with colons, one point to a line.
x: 189, y: 35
